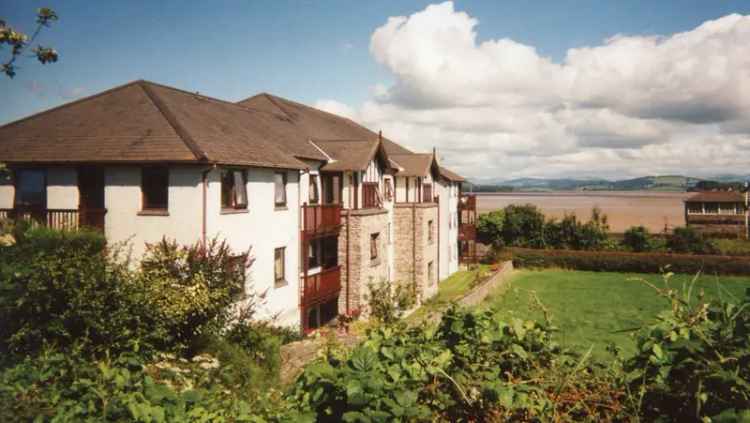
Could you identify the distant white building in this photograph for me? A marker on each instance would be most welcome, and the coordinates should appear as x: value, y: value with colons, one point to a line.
x: 325, y: 204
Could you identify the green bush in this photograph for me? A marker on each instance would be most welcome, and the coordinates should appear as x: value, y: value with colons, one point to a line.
x: 472, y: 367
x: 62, y: 288
x: 570, y: 233
x: 637, y: 239
x: 388, y: 301
x: 693, y: 364
x: 688, y: 240
x: 523, y: 226
x: 192, y: 288
x: 490, y: 228
x: 615, y: 261
x: 56, y: 386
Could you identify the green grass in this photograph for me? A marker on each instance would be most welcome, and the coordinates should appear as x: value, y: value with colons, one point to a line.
x: 449, y: 290
x: 593, y: 308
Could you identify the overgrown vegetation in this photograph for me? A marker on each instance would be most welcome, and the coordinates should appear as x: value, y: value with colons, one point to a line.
x: 388, y: 301
x: 524, y: 226
x: 88, y: 336
x: 119, y: 356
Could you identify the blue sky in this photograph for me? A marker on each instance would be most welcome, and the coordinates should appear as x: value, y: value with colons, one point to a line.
x: 303, y: 50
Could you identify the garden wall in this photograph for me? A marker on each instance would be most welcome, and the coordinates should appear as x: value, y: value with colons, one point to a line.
x: 615, y: 261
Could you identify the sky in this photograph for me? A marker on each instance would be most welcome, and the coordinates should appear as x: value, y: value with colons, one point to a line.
x: 502, y: 89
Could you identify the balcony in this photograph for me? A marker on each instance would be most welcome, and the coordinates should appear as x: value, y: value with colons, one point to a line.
x: 321, y: 287
x: 321, y: 219
x: 467, y: 232
x: 57, y: 218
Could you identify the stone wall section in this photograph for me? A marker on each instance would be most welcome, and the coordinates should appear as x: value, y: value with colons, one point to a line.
x: 414, y: 251
x: 362, y: 270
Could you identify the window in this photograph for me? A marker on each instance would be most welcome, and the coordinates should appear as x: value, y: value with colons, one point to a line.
x: 31, y: 188
x: 313, y: 255
x: 388, y: 189
x: 430, y: 230
x: 279, y: 265
x: 374, y: 238
x: 430, y: 273
x: 155, y: 188
x: 711, y: 208
x: 233, y: 189
x: 279, y: 179
x: 388, y: 233
x: 313, y: 193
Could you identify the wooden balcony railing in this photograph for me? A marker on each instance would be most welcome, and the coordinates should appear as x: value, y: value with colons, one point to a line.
x: 57, y: 218
x: 467, y: 232
x: 321, y: 219
x: 370, y: 196
x: 321, y: 286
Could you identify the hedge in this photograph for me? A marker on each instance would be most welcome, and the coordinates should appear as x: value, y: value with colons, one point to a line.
x: 616, y: 261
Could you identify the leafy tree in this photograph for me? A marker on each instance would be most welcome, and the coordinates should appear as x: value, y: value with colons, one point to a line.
x: 490, y: 228
x: 18, y: 42
x: 637, y: 239
x: 523, y: 226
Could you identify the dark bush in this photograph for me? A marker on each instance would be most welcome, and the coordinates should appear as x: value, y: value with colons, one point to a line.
x: 637, y: 239
x: 523, y: 226
x: 688, y: 240
x: 490, y: 227
x: 570, y: 233
x: 615, y: 261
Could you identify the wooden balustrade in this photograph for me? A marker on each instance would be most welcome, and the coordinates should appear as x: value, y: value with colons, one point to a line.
x: 57, y: 218
x: 321, y: 286
x: 321, y: 218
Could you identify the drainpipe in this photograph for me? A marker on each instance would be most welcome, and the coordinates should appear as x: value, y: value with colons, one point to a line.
x: 438, y: 239
x: 348, y: 285
x: 204, y: 179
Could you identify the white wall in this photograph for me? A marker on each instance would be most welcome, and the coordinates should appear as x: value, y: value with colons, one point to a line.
x: 448, y: 192
x: 62, y: 188
x: 122, y: 199
x: 264, y: 228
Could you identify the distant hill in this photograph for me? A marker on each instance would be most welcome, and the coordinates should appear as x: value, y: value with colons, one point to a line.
x: 675, y: 183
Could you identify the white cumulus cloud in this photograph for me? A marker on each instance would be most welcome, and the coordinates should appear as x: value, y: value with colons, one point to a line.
x: 632, y: 105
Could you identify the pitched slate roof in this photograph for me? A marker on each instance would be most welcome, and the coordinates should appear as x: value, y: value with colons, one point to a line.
x: 413, y: 164
x: 316, y: 123
x: 450, y: 175
x: 145, y: 122
x: 717, y: 197
x: 350, y: 154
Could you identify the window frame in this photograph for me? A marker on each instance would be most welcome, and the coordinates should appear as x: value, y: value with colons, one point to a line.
x: 16, y: 177
x: 280, y: 204
x: 430, y: 230
x: 148, y: 208
x: 374, y: 246
x: 234, y: 205
x: 279, y: 280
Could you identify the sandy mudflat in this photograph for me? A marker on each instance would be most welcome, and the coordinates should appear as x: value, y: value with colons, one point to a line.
x: 654, y: 210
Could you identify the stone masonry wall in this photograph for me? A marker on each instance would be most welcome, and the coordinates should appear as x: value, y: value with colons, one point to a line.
x: 362, y: 270
x: 413, y: 251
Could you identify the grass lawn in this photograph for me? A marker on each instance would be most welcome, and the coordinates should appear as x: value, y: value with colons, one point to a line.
x: 449, y: 290
x: 589, y: 308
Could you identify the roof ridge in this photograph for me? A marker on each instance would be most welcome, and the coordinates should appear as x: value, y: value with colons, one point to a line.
x: 172, y: 120
x: 80, y: 100
x: 276, y: 103
x: 195, y: 94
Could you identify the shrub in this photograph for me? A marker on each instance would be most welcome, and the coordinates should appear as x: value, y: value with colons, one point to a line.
x: 490, y: 228
x: 62, y: 288
x: 388, y: 301
x: 611, y: 261
x: 637, y: 239
x: 688, y: 240
x: 192, y: 288
x: 58, y: 386
x: 694, y: 363
x: 569, y: 233
x: 523, y: 226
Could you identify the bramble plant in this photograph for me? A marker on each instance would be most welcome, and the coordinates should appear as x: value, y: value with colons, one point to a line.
x: 388, y: 301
